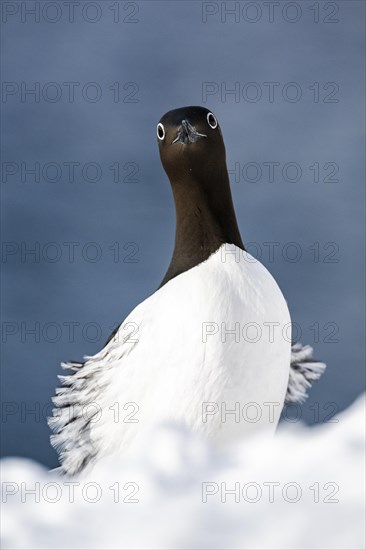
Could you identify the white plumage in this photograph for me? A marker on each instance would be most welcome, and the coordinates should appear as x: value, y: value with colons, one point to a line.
x: 173, y: 354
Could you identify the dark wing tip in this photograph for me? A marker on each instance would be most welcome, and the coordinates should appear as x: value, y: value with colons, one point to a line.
x: 70, y: 427
x: 304, y: 370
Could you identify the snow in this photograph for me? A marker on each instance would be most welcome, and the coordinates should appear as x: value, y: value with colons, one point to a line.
x: 302, y: 490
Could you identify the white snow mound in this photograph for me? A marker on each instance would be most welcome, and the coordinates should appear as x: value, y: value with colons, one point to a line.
x: 302, y: 490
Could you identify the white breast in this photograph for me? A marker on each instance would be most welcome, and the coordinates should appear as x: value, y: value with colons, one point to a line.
x: 174, y: 357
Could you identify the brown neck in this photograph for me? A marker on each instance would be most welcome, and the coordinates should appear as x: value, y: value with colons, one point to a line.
x: 205, y: 219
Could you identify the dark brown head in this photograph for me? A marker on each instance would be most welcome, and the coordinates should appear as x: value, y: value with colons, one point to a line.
x: 190, y: 144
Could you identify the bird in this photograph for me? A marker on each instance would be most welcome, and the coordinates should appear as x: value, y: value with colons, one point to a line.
x: 207, y: 349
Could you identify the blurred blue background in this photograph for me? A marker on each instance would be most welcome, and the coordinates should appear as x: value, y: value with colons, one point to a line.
x: 102, y: 79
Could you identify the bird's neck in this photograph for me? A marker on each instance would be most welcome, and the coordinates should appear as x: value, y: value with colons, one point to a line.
x: 205, y: 220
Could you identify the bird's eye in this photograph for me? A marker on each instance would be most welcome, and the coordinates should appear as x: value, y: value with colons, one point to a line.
x: 160, y: 131
x: 211, y: 119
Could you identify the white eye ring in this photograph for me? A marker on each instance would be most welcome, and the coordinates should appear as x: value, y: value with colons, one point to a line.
x: 211, y: 119
x: 160, y: 131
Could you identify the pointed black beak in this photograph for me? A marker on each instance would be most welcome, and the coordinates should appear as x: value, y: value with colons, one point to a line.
x: 187, y: 133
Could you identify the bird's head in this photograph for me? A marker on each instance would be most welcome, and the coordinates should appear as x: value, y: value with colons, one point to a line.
x: 190, y: 143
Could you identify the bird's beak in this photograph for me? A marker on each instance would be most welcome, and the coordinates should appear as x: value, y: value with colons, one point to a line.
x: 187, y: 133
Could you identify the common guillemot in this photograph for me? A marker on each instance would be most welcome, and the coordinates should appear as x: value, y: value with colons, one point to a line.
x: 209, y: 340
